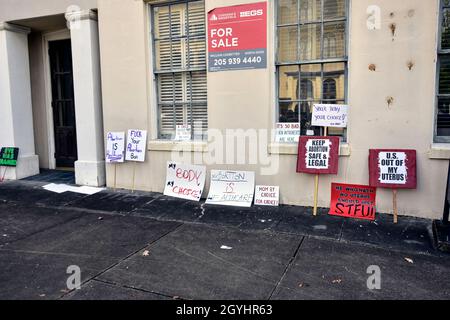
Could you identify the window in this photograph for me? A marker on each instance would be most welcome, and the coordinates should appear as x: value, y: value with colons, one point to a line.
x: 442, y: 128
x: 311, y: 59
x: 179, y: 43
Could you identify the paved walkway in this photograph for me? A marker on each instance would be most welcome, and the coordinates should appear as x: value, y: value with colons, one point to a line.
x: 148, y: 246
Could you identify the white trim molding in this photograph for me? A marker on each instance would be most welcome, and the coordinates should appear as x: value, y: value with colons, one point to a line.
x: 186, y: 146
x: 14, y: 28
x: 81, y: 15
x: 439, y: 151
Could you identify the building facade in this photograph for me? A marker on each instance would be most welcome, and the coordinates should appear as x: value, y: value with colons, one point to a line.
x: 72, y: 71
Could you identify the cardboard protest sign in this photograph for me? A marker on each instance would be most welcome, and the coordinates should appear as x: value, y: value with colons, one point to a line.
x: 329, y: 115
x: 231, y: 188
x: 115, y: 147
x: 287, y: 132
x: 393, y: 168
x: 267, y: 195
x: 136, y: 145
x: 237, y: 37
x: 9, y: 156
x: 183, y: 133
x: 185, y: 181
x: 318, y: 155
x: 353, y: 201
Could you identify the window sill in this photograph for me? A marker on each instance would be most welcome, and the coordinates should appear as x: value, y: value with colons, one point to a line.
x: 202, y: 146
x: 439, y: 151
x: 169, y: 146
x: 292, y: 149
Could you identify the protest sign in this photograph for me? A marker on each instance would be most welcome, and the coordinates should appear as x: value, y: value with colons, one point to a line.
x: 185, y: 181
x: 287, y: 132
x: 353, y: 201
x: 237, y: 37
x: 267, y: 195
x: 329, y: 115
x: 183, y: 133
x: 393, y: 168
x: 136, y: 145
x: 9, y: 156
x: 318, y: 155
x: 231, y: 188
x: 115, y: 147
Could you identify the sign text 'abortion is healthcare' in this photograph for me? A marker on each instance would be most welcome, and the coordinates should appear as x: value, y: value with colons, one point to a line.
x: 237, y: 37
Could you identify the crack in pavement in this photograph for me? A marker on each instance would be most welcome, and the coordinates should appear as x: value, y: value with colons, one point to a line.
x: 124, y: 259
x: 118, y: 285
x: 291, y: 261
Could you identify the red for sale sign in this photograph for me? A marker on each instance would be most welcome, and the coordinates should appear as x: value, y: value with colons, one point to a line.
x: 393, y: 168
x: 318, y: 155
x: 353, y: 201
x: 237, y: 37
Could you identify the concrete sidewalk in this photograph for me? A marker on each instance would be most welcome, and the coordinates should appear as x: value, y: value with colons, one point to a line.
x: 148, y: 246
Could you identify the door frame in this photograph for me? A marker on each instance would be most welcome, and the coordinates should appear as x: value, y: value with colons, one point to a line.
x: 63, y: 34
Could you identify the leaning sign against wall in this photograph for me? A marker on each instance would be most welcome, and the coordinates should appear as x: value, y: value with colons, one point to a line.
x: 237, y: 37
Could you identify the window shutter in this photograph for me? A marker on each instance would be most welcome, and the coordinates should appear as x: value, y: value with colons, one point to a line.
x: 199, y: 120
x: 196, y: 45
x: 180, y: 56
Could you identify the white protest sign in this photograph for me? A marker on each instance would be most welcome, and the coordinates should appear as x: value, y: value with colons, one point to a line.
x: 317, y: 153
x: 288, y: 132
x: 136, y: 145
x: 267, y: 195
x: 183, y: 133
x: 185, y: 181
x: 115, y: 147
x: 393, y: 169
x: 329, y: 115
x: 231, y: 188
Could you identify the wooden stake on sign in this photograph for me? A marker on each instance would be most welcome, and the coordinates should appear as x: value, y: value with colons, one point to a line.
x: 134, y: 175
x: 316, y: 194
x: 4, y: 174
x: 115, y: 176
x: 394, y: 203
x: 316, y: 183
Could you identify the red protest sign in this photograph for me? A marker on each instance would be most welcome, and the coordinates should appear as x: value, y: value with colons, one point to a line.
x: 353, y: 201
x: 393, y: 168
x: 318, y: 155
x: 237, y: 37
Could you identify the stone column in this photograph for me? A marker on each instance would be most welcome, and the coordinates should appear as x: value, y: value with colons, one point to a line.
x: 16, y: 114
x: 90, y: 167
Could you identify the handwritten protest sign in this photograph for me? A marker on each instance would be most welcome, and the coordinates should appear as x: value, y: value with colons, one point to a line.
x: 115, y: 147
x: 318, y: 155
x: 329, y: 115
x: 394, y: 169
x: 183, y: 133
x: 9, y: 156
x: 267, y: 195
x: 287, y: 132
x: 136, y: 145
x: 353, y: 201
x: 185, y: 181
x: 231, y: 188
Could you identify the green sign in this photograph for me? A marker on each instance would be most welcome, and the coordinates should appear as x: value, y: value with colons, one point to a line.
x: 8, y: 156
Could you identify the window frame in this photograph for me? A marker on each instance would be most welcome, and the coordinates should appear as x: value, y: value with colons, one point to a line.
x: 320, y: 62
x: 440, y: 52
x: 182, y: 72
